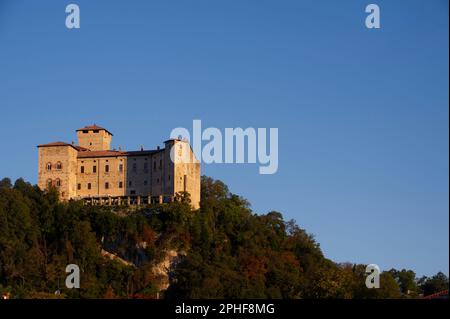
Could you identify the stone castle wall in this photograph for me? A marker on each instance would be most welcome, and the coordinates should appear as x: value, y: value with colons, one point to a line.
x: 79, y: 172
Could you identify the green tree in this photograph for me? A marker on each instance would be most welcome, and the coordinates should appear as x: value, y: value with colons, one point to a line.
x: 406, y: 280
x: 437, y: 283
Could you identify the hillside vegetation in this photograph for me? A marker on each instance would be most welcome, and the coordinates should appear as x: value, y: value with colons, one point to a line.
x: 224, y: 250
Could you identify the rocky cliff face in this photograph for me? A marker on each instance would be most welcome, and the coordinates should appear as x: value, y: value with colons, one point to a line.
x: 162, y: 270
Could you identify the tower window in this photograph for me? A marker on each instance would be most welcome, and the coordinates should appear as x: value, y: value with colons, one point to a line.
x: 106, y: 185
x: 89, y: 186
x: 82, y: 169
x: 58, y: 165
x: 94, y: 169
x: 106, y: 168
x: 120, y: 185
x: 49, y: 166
x: 58, y: 182
x: 79, y: 186
x: 121, y: 168
x: 49, y: 183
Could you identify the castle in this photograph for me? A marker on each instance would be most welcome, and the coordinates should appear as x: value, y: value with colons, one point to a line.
x: 91, y: 171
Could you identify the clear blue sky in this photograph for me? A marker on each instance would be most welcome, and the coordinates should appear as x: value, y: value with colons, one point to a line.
x: 362, y: 114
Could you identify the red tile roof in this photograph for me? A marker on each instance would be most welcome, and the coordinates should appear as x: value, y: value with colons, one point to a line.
x: 53, y: 144
x: 81, y: 149
x: 93, y: 127
x: 115, y: 153
x: 100, y: 154
x: 143, y: 153
x: 86, y: 153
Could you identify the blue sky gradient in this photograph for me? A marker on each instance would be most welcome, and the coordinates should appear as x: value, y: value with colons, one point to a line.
x: 362, y: 114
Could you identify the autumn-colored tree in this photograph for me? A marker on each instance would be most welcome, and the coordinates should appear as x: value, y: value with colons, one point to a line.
x: 225, y: 251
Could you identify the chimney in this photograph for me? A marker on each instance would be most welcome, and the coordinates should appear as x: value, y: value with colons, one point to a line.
x: 142, y: 148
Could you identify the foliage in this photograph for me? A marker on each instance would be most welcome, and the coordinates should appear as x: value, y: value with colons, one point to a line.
x: 225, y: 251
x: 437, y: 283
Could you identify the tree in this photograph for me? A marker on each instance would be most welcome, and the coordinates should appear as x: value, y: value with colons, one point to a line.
x: 5, y: 183
x: 225, y: 251
x: 437, y: 283
x: 406, y: 280
x: 389, y: 288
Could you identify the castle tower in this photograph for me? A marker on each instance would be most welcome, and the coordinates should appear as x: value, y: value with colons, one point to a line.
x: 58, y: 168
x: 184, y: 167
x: 94, y: 138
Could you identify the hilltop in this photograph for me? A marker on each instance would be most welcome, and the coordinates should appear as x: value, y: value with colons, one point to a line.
x: 222, y: 250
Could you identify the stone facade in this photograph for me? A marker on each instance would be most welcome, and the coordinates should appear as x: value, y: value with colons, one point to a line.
x: 92, y: 170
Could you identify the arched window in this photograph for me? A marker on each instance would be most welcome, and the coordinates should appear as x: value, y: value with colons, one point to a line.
x: 49, y: 166
x: 58, y: 165
x: 58, y: 182
x: 49, y: 183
